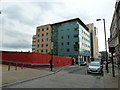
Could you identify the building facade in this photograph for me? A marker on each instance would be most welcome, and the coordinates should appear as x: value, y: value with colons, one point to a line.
x: 67, y: 38
x: 94, y: 40
x: 114, y: 39
x: 34, y: 43
x: 42, y: 40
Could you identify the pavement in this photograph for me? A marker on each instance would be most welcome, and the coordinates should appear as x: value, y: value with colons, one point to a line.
x: 20, y: 75
x: 109, y: 80
x: 24, y: 74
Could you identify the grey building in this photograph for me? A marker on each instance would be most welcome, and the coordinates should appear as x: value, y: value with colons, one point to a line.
x: 93, y: 40
x: 67, y: 38
x: 71, y: 38
x: 114, y: 40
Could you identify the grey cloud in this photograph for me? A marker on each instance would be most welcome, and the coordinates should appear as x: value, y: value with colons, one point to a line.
x: 46, y: 8
x: 16, y: 40
x: 18, y: 44
x: 44, y: 5
x: 16, y: 34
x: 48, y: 5
x: 15, y: 12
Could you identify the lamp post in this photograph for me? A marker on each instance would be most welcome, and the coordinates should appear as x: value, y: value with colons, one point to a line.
x: 105, y: 43
x: 51, y: 60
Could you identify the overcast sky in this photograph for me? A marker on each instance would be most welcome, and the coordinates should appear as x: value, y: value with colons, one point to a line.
x: 19, y: 18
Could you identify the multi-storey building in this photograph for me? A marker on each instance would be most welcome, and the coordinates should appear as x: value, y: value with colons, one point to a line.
x: 93, y: 40
x: 67, y: 38
x: 114, y: 39
x: 42, y: 40
x: 34, y: 43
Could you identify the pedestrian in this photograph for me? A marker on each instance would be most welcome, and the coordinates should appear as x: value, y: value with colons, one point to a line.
x: 73, y: 60
x: 50, y: 64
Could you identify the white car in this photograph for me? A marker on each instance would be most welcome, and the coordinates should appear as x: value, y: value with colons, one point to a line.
x: 94, y: 67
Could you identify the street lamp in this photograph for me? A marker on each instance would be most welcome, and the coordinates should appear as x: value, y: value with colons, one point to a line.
x: 51, y: 60
x: 105, y: 43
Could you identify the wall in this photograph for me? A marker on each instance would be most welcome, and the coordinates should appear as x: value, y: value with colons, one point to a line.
x: 33, y: 60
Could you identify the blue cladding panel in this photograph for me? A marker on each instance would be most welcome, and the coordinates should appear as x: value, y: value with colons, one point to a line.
x: 72, y: 29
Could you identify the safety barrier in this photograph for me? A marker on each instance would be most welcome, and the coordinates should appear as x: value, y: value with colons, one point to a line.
x: 33, y: 60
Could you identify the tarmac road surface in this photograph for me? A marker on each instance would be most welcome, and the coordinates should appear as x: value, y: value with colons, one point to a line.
x: 72, y: 77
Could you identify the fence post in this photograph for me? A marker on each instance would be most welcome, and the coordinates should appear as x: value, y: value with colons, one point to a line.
x: 113, y: 65
x: 16, y: 67
x: 22, y: 66
x: 9, y: 67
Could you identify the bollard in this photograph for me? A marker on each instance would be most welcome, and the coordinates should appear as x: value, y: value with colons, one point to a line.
x: 16, y: 67
x: 51, y: 65
x: 22, y: 66
x: 113, y: 66
x: 9, y: 67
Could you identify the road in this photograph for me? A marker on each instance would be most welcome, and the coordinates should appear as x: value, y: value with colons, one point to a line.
x: 72, y: 77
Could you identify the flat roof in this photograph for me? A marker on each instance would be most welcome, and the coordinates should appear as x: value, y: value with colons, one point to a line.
x: 75, y: 19
x: 70, y: 20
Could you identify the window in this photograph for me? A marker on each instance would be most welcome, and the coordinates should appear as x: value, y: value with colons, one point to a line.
x: 38, y: 40
x: 82, y: 31
x: 62, y: 37
x: 62, y: 43
x: 41, y: 50
x: 33, y: 45
x: 62, y: 49
x: 37, y: 50
x: 68, y: 50
x: 42, y: 29
x: 34, y: 38
x: 46, y: 39
x: 33, y: 48
x: 42, y: 34
x: 42, y: 40
x: 46, y: 45
x: 47, y: 28
x: 76, y: 46
x: 76, y: 43
x: 42, y: 45
x: 46, y: 50
x: 76, y: 35
x: 68, y: 43
x: 38, y: 45
x: 46, y: 33
x: 82, y: 37
x: 68, y: 36
x: 38, y: 30
x: 75, y: 49
x: 33, y: 41
x: 83, y: 44
x: 38, y: 35
x: 76, y: 29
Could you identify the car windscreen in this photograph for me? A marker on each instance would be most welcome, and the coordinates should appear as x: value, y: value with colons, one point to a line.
x: 94, y: 64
